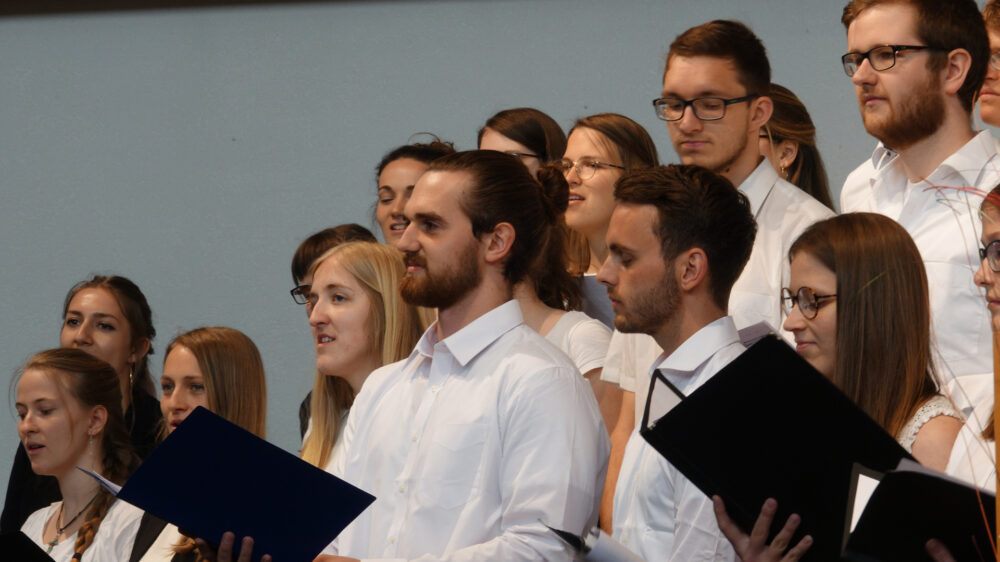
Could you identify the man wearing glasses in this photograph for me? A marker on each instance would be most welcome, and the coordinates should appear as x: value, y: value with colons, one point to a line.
x: 916, y: 67
x: 678, y: 239
x: 714, y: 103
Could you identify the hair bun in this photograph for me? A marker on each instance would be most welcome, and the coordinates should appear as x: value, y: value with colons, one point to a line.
x: 555, y: 190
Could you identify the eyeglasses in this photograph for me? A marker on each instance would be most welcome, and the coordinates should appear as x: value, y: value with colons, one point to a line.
x: 881, y: 58
x: 300, y: 294
x: 705, y: 109
x: 995, y: 60
x: 585, y: 167
x: 991, y: 253
x: 807, y: 299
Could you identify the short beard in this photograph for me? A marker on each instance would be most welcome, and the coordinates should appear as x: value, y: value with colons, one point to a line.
x: 914, y: 119
x: 444, y: 289
x: 650, y: 310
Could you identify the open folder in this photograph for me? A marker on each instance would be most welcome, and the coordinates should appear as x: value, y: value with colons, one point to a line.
x: 769, y: 425
x: 15, y: 545
x: 913, y: 504
x: 211, y: 476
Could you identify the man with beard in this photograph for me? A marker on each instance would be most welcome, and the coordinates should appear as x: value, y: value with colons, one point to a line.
x: 679, y: 238
x: 486, y: 431
x: 916, y: 67
x: 714, y: 102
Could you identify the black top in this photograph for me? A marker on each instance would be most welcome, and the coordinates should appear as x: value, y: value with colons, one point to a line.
x: 28, y: 492
x: 304, y: 413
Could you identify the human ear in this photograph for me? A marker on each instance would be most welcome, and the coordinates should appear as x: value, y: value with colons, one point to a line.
x: 761, y: 109
x: 691, y: 269
x: 139, y: 350
x: 97, y: 421
x: 955, y: 71
x: 785, y: 153
x: 499, y: 243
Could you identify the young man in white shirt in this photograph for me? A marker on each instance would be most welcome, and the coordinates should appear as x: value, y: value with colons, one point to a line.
x: 916, y: 67
x: 486, y: 431
x: 679, y: 238
x: 714, y: 102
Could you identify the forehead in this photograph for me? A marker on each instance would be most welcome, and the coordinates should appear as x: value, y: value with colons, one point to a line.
x: 401, y: 172
x: 808, y: 271
x: 492, y: 140
x: 37, y: 384
x: 690, y: 77
x: 991, y: 222
x: 333, y: 272
x: 884, y: 24
x: 584, y: 141
x: 95, y: 301
x: 634, y: 227
x: 180, y: 361
x: 438, y: 193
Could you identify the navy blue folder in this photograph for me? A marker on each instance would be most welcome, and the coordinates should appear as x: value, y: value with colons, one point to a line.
x: 769, y: 425
x: 17, y: 546
x: 211, y: 476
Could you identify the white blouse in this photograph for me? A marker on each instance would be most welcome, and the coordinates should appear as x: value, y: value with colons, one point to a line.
x: 113, y: 540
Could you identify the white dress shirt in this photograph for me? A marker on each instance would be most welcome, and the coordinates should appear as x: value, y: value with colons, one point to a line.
x: 973, y: 457
x: 658, y: 513
x: 943, y: 219
x: 782, y: 212
x: 470, y: 444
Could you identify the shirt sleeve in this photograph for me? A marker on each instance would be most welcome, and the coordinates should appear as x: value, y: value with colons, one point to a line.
x: 588, y: 344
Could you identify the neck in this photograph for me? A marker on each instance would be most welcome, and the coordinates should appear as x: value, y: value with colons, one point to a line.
x: 492, y: 291
x: 923, y: 157
x: 537, y: 315
x: 78, y: 488
x: 744, y: 165
x: 686, y: 323
x: 126, y: 384
x: 358, y: 377
x: 598, y: 249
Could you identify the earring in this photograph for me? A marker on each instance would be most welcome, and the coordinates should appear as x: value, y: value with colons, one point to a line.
x: 131, y: 375
x: 784, y: 172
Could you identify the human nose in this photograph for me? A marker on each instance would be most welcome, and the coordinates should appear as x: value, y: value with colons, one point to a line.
x: 408, y: 241
x: 863, y: 72
x: 984, y: 275
x: 795, y: 321
x: 396, y: 210
x: 572, y: 175
x: 26, y: 425
x: 317, y: 314
x: 688, y: 122
x: 607, y: 275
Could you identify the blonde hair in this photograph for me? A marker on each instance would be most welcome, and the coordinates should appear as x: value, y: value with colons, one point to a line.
x: 393, y: 329
x: 235, y: 383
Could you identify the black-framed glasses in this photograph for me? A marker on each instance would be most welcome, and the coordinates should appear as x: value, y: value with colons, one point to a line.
x: 991, y: 253
x: 705, y: 109
x: 300, y: 294
x: 881, y: 58
x: 585, y: 167
x: 807, y: 299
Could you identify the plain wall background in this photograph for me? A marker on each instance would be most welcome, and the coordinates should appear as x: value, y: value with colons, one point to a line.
x: 193, y: 150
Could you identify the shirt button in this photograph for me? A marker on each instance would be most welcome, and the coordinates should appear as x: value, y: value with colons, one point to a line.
x: 392, y: 540
x: 402, y: 489
x: 435, y: 388
x: 414, y: 438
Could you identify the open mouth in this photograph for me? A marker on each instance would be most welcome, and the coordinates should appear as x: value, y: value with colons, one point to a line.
x: 33, y: 448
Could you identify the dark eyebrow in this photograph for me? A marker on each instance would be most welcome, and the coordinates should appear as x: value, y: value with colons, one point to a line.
x: 95, y: 315
x: 428, y: 217
x: 618, y: 248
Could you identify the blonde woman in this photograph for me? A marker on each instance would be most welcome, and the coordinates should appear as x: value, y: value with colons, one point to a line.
x: 359, y: 323
x: 217, y: 368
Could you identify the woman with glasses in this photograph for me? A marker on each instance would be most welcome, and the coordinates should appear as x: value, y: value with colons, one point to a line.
x: 788, y: 141
x: 858, y: 308
x: 524, y: 132
x: 109, y: 318
x: 395, y: 175
x: 601, y: 148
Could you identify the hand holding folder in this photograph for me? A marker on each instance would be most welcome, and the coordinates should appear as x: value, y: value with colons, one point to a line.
x: 211, y: 476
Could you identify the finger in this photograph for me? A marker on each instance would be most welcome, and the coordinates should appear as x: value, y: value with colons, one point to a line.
x: 726, y: 525
x: 246, y: 549
x: 265, y: 558
x: 938, y: 551
x: 226, y: 547
x: 799, y: 551
x: 784, y: 536
x: 206, y: 550
x: 761, y: 527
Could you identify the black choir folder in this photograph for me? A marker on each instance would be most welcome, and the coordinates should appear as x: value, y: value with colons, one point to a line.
x: 769, y: 425
x: 15, y: 545
x: 211, y: 476
x: 914, y: 504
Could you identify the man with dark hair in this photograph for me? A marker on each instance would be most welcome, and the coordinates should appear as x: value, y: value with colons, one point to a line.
x: 678, y: 239
x: 916, y: 66
x: 715, y: 102
x: 486, y: 430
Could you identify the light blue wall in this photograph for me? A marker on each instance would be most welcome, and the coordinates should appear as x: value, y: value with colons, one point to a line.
x: 193, y: 150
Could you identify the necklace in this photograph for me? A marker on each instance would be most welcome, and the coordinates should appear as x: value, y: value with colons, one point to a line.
x: 59, y: 530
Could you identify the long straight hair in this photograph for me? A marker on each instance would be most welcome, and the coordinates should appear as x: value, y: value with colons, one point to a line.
x: 883, y: 351
x: 92, y: 382
x: 235, y: 383
x: 393, y: 330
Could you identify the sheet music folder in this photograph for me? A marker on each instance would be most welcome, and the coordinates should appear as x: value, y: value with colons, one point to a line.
x: 15, y: 545
x: 211, y: 476
x: 908, y: 508
x: 769, y: 425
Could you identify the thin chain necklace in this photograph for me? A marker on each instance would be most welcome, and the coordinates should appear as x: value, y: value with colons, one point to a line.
x: 59, y: 530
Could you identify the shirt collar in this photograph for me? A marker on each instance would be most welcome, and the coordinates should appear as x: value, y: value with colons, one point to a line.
x: 968, y: 161
x: 758, y: 184
x: 468, y: 342
x: 700, y: 347
x: 881, y: 156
